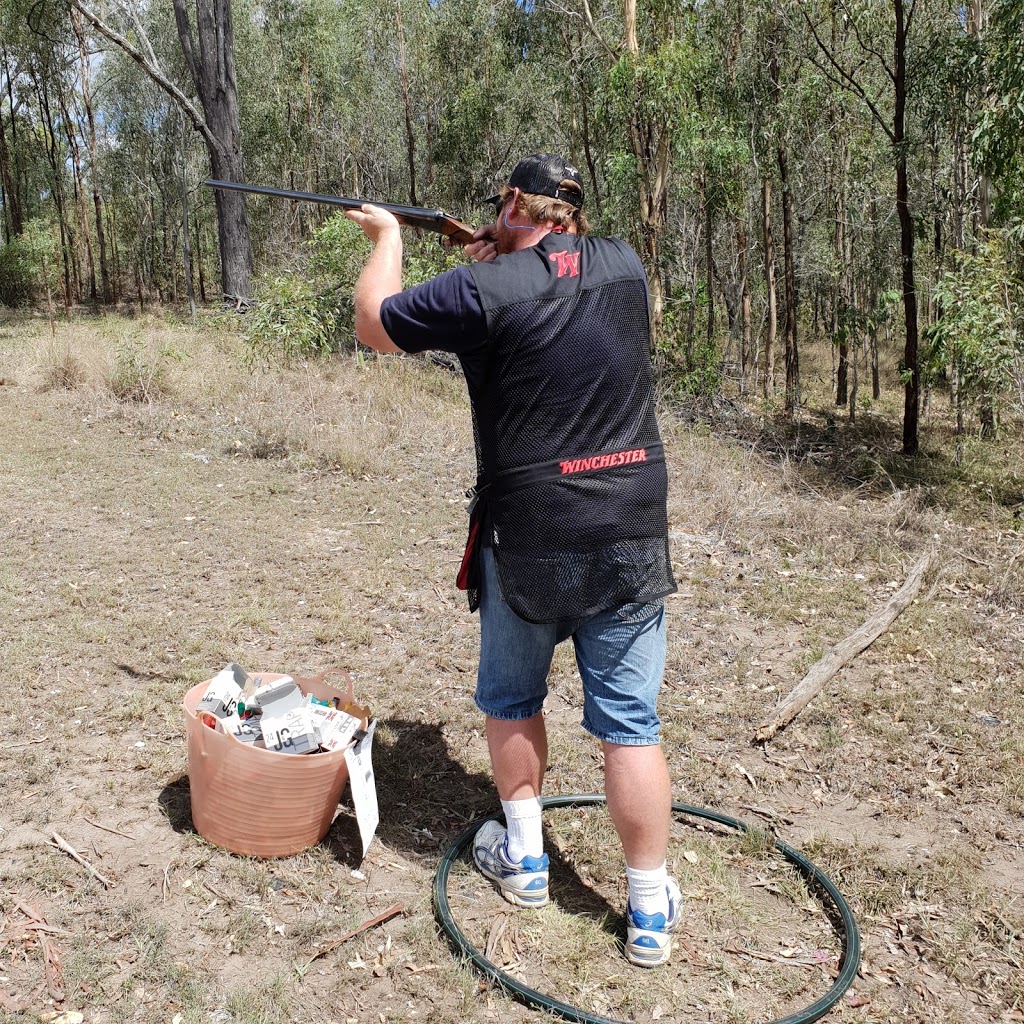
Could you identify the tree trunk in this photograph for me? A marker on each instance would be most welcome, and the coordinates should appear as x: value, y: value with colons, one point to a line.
x: 13, y: 219
x: 57, y: 169
x: 12, y: 207
x: 709, y: 271
x: 199, y: 262
x: 588, y: 147
x: 83, y: 219
x: 911, y: 364
x: 844, y: 304
x: 746, y: 332
x: 186, y: 248
x: 769, y: 270
x: 651, y: 151
x: 94, y: 170
x: 410, y: 141
x: 856, y: 376
x: 792, y: 399
x: 213, y: 74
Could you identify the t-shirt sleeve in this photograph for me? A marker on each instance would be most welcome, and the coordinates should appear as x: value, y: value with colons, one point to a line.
x: 443, y: 314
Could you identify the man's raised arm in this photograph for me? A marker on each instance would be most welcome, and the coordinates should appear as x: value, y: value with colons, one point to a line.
x: 381, y: 277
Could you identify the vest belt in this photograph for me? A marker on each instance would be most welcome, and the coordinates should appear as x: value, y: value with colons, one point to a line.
x: 558, y: 469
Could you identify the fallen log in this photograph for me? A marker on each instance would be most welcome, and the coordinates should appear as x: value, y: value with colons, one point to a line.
x: 843, y: 652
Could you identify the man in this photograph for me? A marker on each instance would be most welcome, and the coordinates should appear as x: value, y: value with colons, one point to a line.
x: 568, y: 532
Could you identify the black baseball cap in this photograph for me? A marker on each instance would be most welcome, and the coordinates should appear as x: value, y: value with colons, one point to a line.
x: 542, y: 174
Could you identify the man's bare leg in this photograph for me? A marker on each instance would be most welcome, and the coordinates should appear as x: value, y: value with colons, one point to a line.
x: 639, y: 794
x: 519, y: 756
x: 513, y: 857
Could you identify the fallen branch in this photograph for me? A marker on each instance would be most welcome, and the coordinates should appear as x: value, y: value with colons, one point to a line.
x: 52, y: 929
x: 52, y: 970
x: 393, y: 911
x: 62, y: 844
x: 843, y: 652
x: 112, y: 831
x: 775, y: 958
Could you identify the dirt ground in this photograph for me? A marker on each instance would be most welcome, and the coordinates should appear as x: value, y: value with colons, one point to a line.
x: 166, y: 511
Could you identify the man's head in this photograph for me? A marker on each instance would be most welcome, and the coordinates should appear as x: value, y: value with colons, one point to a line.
x: 546, y: 188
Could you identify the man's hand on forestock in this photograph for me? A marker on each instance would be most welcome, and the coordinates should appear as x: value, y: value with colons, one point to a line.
x: 484, y: 249
x: 374, y: 221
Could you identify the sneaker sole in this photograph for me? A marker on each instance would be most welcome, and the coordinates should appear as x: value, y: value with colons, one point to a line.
x: 518, y: 899
x: 649, y: 957
x: 528, y: 902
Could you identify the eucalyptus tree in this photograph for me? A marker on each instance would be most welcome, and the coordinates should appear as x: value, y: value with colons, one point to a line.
x: 997, y: 142
x: 45, y: 54
x: 10, y: 180
x: 144, y: 169
x: 208, y: 50
x: 492, y: 105
x: 874, y: 63
x: 981, y: 331
x: 650, y: 71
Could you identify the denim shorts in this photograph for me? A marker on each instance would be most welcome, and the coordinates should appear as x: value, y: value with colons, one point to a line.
x: 621, y: 665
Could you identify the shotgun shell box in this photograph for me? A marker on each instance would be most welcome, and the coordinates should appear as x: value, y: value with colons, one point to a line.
x: 277, y: 697
x: 290, y: 733
x: 221, y: 695
x: 244, y: 730
x: 336, y: 728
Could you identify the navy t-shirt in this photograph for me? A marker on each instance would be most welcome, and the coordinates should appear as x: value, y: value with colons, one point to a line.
x: 443, y: 314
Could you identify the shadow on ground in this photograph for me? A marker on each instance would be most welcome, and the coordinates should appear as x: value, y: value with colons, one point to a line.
x: 426, y: 799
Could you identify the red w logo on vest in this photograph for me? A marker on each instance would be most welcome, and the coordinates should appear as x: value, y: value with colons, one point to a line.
x: 568, y: 263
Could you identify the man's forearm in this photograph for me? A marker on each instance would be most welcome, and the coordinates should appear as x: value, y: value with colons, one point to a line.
x: 381, y: 277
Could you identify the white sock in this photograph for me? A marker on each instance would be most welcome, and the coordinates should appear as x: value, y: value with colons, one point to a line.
x: 523, y: 819
x: 647, y: 892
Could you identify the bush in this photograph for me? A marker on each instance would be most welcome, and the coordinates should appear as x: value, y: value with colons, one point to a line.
x: 310, y: 313
x: 290, y: 320
x: 62, y: 370
x: 298, y: 315
x: 141, y: 374
x: 27, y: 263
x: 690, y: 364
x: 980, y: 334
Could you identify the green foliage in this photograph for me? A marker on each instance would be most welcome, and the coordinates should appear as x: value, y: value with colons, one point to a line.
x: 691, y: 364
x: 291, y: 320
x: 981, y: 330
x: 426, y: 258
x: 999, y: 128
x: 308, y: 314
x: 141, y: 373
x: 337, y: 251
x: 28, y: 264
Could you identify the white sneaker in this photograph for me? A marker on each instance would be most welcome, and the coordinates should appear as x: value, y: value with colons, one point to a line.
x: 523, y: 882
x: 649, y: 936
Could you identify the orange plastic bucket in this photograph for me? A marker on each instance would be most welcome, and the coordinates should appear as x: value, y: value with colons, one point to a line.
x: 257, y: 802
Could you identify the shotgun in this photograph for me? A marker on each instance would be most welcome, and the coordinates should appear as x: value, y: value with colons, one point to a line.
x: 454, y: 232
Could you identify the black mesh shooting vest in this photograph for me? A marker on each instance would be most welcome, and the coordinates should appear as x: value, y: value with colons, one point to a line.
x: 567, y: 440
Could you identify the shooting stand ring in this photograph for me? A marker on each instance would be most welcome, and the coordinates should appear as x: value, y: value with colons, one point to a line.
x: 846, y: 926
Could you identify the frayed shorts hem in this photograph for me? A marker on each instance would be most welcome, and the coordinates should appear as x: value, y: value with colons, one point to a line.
x: 621, y: 740
x: 502, y: 715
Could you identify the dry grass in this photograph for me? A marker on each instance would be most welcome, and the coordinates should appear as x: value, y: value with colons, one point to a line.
x: 195, y: 513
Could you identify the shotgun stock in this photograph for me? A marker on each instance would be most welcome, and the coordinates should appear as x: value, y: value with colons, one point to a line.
x: 453, y: 232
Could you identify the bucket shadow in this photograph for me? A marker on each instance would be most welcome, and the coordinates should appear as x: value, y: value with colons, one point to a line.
x: 175, y: 800
x: 426, y: 800
x: 426, y: 797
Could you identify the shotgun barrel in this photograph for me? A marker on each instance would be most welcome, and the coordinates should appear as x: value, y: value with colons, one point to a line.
x: 454, y: 232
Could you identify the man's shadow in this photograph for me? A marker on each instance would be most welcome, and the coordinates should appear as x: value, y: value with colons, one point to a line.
x: 426, y: 801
